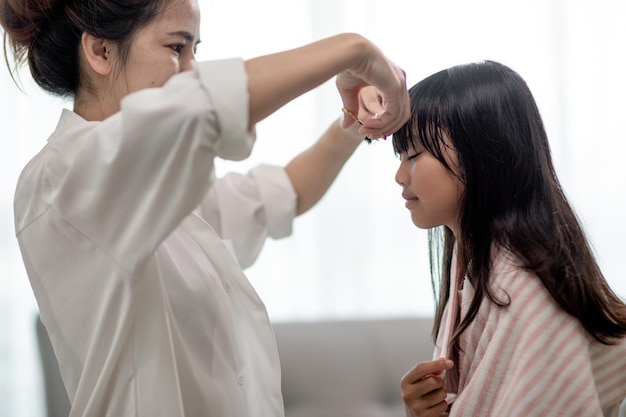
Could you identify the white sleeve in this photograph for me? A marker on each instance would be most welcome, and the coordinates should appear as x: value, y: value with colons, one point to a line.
x: 133, y: 177
x: 246, y: 209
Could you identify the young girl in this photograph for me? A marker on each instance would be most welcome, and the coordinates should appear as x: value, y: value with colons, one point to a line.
x: 133, y: 249
x: 526, y: 324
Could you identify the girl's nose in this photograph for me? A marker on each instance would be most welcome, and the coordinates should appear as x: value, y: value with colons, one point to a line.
x: 400, y: 174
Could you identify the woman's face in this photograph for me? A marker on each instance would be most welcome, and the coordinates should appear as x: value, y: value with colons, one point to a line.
x: 163, y: 48
x: 431, y: 191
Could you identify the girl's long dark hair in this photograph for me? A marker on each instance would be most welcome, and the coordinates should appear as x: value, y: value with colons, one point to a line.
x: 512, y: 198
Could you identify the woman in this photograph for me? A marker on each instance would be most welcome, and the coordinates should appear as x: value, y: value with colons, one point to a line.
x: 128, y: 239
x: 526, y: 324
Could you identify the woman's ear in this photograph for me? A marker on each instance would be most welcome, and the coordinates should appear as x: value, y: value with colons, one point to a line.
x: 98, y: 53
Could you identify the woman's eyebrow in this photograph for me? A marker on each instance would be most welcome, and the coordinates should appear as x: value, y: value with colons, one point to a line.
x: 186, y: 35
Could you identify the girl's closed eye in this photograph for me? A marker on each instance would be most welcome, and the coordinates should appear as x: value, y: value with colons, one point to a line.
x: 414, y: 151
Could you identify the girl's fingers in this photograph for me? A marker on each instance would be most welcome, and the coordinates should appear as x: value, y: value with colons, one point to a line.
x: 424, y: 369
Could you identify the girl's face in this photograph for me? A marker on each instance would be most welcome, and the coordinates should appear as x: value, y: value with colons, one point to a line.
x: 432, y: 193
x: 163, y: 48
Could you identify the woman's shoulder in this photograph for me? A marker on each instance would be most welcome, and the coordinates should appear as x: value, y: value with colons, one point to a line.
x: 38, y: 180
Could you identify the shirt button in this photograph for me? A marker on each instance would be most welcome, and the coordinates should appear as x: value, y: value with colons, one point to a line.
x: 241, y: 379
x: 227, y: 287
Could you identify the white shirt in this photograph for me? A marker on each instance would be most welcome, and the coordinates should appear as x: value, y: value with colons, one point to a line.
x: 120, y: 224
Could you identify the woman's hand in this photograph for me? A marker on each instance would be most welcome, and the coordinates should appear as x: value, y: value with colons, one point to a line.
x: 276, y: 79
x: 370, y: 107
x: 422, y: 389
x: 392, y: 107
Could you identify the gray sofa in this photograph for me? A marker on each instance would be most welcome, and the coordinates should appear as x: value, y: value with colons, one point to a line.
x: 349, y: 368
x: 329, y: 368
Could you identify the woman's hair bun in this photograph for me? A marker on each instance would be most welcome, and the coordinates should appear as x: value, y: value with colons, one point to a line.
x: 46, y: 34
x: 22, y: 21
x: 37, y: 32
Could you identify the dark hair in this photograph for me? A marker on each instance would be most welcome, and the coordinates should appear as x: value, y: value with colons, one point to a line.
x: 512, y: 196
x: 47, y: 34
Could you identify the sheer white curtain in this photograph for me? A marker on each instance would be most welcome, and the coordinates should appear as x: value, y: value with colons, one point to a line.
x: 357, y: 253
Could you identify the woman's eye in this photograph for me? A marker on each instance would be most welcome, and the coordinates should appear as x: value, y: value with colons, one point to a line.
x: 177, y: 48
x: 415, y: 155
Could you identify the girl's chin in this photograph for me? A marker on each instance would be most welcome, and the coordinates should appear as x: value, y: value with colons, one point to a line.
x: 423, y: 224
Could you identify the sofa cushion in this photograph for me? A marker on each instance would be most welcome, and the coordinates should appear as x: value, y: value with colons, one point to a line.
x: 349, y: 368
x: 345, y: 409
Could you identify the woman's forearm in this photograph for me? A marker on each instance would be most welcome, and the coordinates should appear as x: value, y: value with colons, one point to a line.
x: 276, y: 79
x: 314, y: 170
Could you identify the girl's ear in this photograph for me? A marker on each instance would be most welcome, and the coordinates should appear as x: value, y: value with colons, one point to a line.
x: 98, y: 53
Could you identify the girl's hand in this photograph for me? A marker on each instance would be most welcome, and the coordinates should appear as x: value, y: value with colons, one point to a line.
x: 422, y: 389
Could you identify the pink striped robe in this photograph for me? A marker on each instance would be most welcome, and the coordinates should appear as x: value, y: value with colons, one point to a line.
x: 530, y: 358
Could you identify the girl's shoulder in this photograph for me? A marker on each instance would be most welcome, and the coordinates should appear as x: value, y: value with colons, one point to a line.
x: 519, y: 289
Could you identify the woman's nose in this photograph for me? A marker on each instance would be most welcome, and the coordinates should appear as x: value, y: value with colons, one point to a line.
x: 187, y: 65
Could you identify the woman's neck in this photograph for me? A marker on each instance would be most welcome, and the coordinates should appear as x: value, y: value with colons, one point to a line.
x: 93, y: 107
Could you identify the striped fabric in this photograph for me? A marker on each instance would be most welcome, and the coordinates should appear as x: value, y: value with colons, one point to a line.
x: 530, y: 358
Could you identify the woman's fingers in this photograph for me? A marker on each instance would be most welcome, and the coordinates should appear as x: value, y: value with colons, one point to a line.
x: 394, y: 106
x: 390, y: 80
x: 370, y: 103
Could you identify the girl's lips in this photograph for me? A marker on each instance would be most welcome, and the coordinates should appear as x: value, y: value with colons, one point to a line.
x: 410, y: 200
